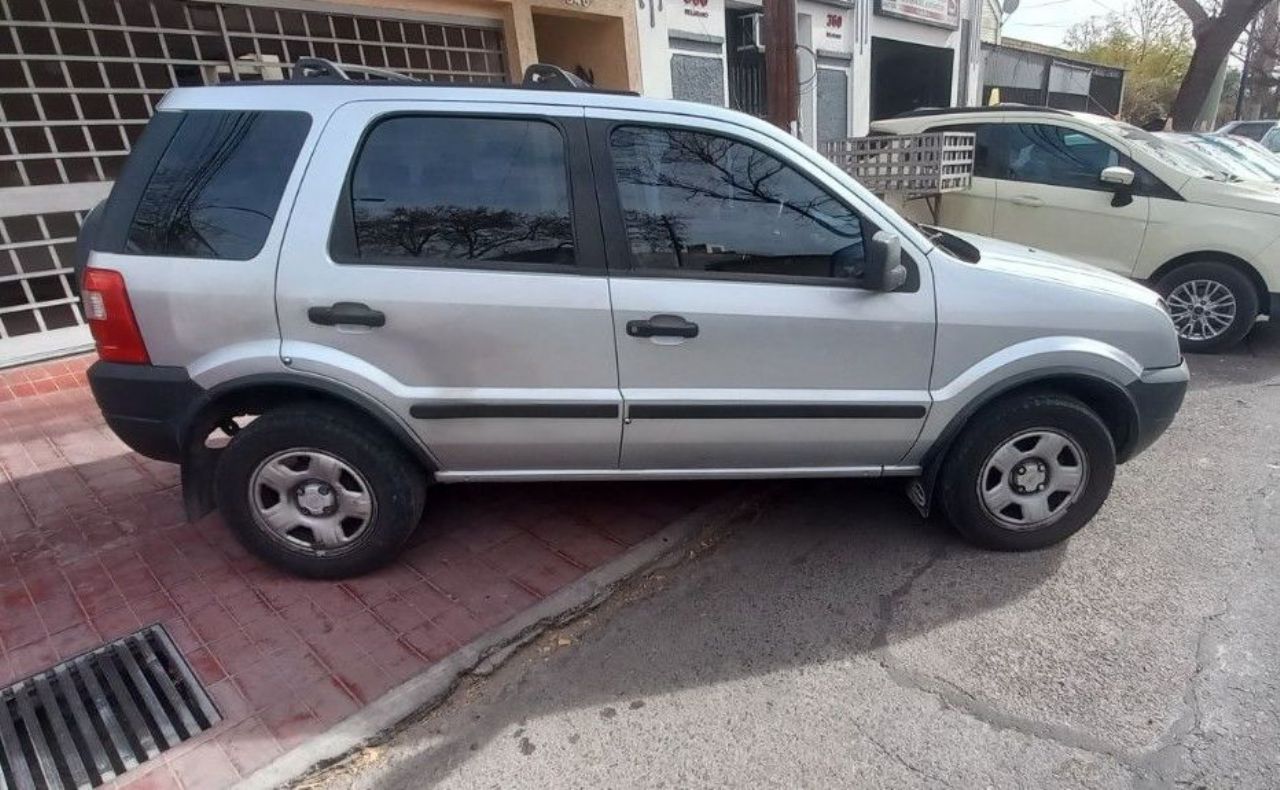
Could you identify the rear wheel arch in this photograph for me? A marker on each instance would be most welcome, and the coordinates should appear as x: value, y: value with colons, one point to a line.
x: 257, y: 395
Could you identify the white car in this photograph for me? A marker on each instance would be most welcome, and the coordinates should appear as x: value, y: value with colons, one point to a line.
x: 1108, y: 193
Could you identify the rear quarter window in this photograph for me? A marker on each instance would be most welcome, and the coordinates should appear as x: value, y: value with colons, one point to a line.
x: 215, y: 191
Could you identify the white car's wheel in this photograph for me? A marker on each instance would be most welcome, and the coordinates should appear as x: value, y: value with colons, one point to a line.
x: 1213, y: 305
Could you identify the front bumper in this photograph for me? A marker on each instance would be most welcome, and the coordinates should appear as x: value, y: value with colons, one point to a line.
x: 147, y: 406
x: 1157, y: 395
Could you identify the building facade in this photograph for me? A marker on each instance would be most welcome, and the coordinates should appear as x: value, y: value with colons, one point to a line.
x: 857, y: 61
x: 80, y: 78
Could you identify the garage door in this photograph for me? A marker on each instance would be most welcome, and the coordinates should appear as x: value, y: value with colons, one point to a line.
x: 78, y: 81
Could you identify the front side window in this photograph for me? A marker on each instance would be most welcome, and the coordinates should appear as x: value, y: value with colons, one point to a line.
x: 696, y: 202
x: 1272, y: 140
x: 215, y: 192
x: 430, y: 191
x: 1058, y: 156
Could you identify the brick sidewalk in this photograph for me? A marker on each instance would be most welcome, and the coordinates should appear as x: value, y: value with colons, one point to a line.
x: 93, y: 545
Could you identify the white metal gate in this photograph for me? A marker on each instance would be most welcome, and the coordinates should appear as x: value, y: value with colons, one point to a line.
x: 80, y: 78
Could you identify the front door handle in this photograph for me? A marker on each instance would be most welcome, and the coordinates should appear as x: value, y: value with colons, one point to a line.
x: 662, y: 326
x: 1028, y: 200
x: 347, y: 313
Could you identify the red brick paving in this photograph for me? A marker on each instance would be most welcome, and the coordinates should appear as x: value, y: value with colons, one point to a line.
x: 94, y: 545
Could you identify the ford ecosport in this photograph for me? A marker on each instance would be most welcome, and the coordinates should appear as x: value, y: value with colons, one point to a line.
x: 406, y: 283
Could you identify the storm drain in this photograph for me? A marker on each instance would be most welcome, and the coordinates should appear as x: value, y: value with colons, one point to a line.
x: 92, y: 718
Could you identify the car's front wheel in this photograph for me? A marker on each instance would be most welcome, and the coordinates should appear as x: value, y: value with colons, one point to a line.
x: 319, y: 492
x: 1213, y: 305
x: 1027, y: 472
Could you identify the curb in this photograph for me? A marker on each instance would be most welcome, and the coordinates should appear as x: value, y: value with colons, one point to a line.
x: 484, y: 654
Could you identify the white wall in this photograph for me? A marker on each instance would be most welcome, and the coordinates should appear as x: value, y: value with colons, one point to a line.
x: 850, y: 37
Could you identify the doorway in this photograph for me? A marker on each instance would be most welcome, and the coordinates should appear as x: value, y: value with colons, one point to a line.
x: 592, y: 47
x: 745, y: 60
x: 907, y: 76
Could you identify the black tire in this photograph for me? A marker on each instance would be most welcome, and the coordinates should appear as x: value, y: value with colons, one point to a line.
x: 1229, y: 277
x: 995, y: 426
x: 394, y: 480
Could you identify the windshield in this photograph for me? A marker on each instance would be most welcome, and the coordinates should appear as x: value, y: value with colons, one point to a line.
x: 1163, y: 150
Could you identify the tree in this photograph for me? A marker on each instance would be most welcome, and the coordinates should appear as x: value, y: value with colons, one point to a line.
x: 1151, y: 41
x: 1215, y: 31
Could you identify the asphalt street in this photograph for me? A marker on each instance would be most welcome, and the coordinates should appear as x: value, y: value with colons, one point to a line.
x: 833, y: 638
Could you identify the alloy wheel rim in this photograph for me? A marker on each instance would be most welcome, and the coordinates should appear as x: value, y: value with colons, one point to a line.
x: 311, y: 500
x: 1201, y: 309
x: 1031, y: 480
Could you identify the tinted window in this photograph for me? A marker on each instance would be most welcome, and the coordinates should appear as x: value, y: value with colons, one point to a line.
x: 698, y: 202
x: 216, y: 190
x: 1055, y: 155
x: 451, y: 191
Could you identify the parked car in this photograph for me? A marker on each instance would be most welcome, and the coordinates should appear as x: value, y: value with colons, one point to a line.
x: 1221, y: 162
x: 413, y: 283
x: 1109, y: 193
x: 1252, y: 130
x: 1271, y: 140
x: 1229, y: 162
x: 1253, y: 152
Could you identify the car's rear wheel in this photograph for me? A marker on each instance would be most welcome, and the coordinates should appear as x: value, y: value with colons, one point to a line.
x: 1028, y: 472
x: 319, y: 492
x: 1213, y: 305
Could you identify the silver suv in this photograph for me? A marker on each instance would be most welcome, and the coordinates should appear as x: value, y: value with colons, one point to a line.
x: 398, y: 284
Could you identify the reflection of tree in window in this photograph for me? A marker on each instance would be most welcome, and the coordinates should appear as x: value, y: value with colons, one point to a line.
x: 215, y: 191
x: 702, y: 202
x: 462, y: 189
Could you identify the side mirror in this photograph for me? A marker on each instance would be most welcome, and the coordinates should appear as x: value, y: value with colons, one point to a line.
x: 884, y: 270
x: 1117, y: 176
x: 1121, y: 179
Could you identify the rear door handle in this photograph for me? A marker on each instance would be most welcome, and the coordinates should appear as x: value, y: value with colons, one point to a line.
x: 347, y: 313
x: 662, y: 326
x: 1028, y: 200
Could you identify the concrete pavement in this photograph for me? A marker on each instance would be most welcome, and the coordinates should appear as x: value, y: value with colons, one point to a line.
x: 835, y: 639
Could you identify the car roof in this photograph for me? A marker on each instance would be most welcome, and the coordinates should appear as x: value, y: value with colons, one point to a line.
x: 918, y: 119
x: 323, y: 97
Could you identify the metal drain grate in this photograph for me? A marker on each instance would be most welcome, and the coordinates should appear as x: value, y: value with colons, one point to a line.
x: 90, y: 719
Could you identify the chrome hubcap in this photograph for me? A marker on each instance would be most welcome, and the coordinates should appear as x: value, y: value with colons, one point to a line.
x: 1031, y: 480
x: 310, y: 499
x: 1201, y: 309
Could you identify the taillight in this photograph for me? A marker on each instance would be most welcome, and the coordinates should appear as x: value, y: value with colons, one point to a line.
x: 110, y: 317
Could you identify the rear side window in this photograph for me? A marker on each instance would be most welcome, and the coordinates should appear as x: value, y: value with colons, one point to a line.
x: 216, y: 189
x: 458, y: 191
x: 987, y: 142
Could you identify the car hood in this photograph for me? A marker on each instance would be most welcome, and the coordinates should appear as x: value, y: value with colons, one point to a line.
x: 1256, y: 196
x: 1032, y: 263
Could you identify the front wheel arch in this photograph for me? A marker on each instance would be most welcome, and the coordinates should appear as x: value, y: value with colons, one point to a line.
x: 1107, y: 399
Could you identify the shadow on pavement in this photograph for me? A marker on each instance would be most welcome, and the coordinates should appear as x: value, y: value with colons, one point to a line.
x: 815, y: 577
x: 1253, y: 361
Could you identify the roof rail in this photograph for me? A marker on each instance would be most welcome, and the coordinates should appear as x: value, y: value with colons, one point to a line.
x: 311, y: 69
x: 1003, y: 106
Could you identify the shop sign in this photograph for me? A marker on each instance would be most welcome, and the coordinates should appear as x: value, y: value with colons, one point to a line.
x: 835, y: 22
x: 945, y: 13
x: 696, y: 8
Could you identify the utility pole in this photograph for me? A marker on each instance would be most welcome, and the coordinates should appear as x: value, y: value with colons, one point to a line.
x: 782, y: 89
